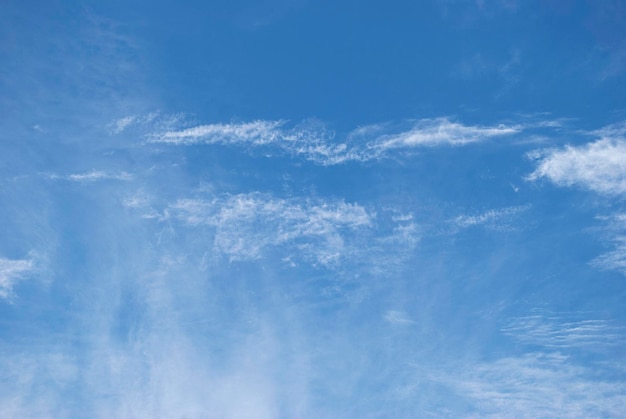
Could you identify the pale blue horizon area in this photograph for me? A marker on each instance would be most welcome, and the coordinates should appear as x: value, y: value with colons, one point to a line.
x: 312, y: 209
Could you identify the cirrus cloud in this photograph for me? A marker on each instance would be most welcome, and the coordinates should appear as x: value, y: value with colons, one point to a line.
x: 599, y: 166
x: 12, y: 270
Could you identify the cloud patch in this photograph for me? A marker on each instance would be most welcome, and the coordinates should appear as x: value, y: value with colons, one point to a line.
x: 614, y: 259
x: 550, y: 381
x: 536, y: 385
x: 11, y: 271
x: 330, y: 234
x: 599, y: 166
x: 246, y: 225
x: 398, y: 318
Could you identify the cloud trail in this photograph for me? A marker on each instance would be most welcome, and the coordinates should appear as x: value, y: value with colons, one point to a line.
x: 316, y: 143
x: 93, y: 176
x: 496, y: 219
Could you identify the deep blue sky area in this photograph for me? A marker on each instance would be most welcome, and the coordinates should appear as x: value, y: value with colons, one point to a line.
x: 348, y: 63
x: 365, y: 62
x: 312, y: 209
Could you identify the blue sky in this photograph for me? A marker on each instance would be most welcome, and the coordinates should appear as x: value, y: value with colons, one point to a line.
x: 312, y: 209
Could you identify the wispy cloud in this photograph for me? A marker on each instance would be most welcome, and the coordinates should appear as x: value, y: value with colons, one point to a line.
x: 314, y: 142
x: 253, y: 133
x: 159, y: 373
x: 552, y: 380
x: 12, y: 270
x: 48, y: 372
x: 617, y: 130
x: 332, y: 234
x: 538, y: 384
x: 398, y: 318
x: 246, y: 225
x: 93, y: 176
x: 495, y: 219
x: 153, y: 119
x: 441, y: 131
x: 121, y: 124
x: 599, y: 166
x: 614, y: 259
x: 563, y: 330
x: 309, y: 140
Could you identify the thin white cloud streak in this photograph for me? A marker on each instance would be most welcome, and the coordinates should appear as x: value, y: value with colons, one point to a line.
x: 617, y: 130
x: 93, y: 176
x: 121, y: 124
x: 398, y: 318
x: 312, y: 141
x: 315, y: 143
x: 547, y: 382
x: 614, y: 259
x: 496, y: 219
x: 599, y: 166
x: 560, y: 331
x: 161, y: 122
x: 254, y: 133
x: 441, y: 131
x: 11, y: 271
x: 535, y: 385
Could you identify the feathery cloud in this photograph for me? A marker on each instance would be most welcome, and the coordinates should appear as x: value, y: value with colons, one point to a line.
x: 254, y: 133
x: 599, y: 166
x: 245, y: 225
x: 93, y: 176
x: 496, y: 219
x: 398, y: 317
x: 325, y: 233
x: 564, y: 331
x: 441, y: 131
x: 614, y: 259
x: 616, y: 130
x: 314, y: 142
x: 121, y: 124
x: 536, y: 385
x: 12, y: 270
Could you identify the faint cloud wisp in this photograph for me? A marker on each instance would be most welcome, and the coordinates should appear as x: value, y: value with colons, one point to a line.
x: 313, y: 141
x: 12, y: 270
